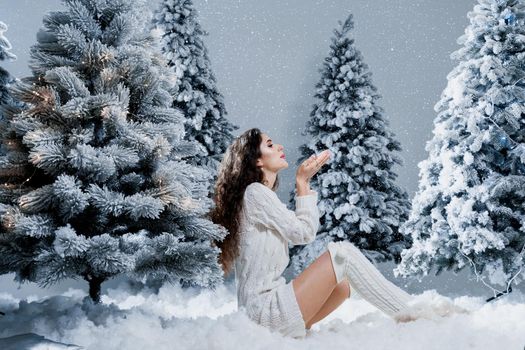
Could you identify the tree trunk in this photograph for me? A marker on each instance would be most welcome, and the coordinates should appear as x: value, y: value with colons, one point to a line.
x: 95, y: 283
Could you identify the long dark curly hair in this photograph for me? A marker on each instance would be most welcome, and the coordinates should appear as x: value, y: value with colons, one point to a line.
x: 237, y: 170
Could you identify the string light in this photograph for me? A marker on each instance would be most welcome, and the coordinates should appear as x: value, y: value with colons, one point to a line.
x: 9, y: 221
x: 29, y: 178
x: 482, y: 278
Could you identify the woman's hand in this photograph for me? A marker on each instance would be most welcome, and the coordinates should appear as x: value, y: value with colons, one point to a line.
x: 311, y: 166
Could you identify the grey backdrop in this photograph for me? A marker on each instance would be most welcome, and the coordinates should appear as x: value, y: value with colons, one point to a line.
x: 266, y: 56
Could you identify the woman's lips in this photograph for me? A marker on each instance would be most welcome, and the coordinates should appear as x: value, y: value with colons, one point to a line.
x: 283, y: 156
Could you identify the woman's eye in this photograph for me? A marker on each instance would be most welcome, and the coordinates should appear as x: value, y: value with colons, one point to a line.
x: 270, y: 145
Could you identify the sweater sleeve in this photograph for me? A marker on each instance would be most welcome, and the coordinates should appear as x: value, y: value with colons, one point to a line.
x: 265, y: 208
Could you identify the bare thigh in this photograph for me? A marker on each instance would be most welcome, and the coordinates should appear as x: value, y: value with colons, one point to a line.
x: 314, y: 286
x: 340, y: 293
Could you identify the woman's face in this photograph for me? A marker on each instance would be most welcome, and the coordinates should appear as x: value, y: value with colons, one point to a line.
x: 272, y: 155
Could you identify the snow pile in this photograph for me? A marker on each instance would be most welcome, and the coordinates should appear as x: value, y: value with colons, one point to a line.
x: 203, y: 319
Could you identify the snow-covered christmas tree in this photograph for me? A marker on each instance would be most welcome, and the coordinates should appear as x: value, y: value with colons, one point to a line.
x: 196, y: 91
x: 6, y: 100
x: 96, y: 164
x: 5, y: 45
x: 359, y: 200
x: 470, y: 206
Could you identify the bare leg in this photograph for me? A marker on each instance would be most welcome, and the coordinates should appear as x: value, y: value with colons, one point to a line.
x: 340, y: 293
x: 314, y: 286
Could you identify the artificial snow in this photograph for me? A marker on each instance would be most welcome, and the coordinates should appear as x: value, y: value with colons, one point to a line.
x: 193, y: 318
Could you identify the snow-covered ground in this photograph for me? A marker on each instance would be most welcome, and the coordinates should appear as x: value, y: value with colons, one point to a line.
x: 176, y: 318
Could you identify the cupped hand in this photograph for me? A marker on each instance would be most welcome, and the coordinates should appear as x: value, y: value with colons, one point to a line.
x: 311, y: 166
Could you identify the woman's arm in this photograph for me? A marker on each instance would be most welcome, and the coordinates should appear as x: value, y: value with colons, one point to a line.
x: 265, y: 208
x: 302, y: 187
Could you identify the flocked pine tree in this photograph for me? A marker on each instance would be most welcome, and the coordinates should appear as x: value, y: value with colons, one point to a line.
x: 359, y: 200
x: 5, y: 45
x: 98, y: 160
x: 6, y: 100
x: 470, y: 206
x: 196, y: 90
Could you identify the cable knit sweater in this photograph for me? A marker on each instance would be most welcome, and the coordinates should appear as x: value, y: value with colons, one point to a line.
x: 266, y: 228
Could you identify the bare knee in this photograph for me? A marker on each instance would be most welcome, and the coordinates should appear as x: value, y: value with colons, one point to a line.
x: 339, y: 294
x: 314, y: 285
x: 343, y: 289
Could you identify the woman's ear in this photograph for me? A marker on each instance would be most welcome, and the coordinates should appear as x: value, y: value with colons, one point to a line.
x: 259, y: 163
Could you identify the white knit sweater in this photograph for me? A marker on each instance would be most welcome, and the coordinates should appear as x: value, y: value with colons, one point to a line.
x: 266, y: 228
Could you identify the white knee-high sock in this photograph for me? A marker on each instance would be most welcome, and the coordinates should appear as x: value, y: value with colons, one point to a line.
x: 365, y: 278
x: 338, y: 261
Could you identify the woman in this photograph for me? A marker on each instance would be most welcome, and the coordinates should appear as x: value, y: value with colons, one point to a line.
x: 260, y: 227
